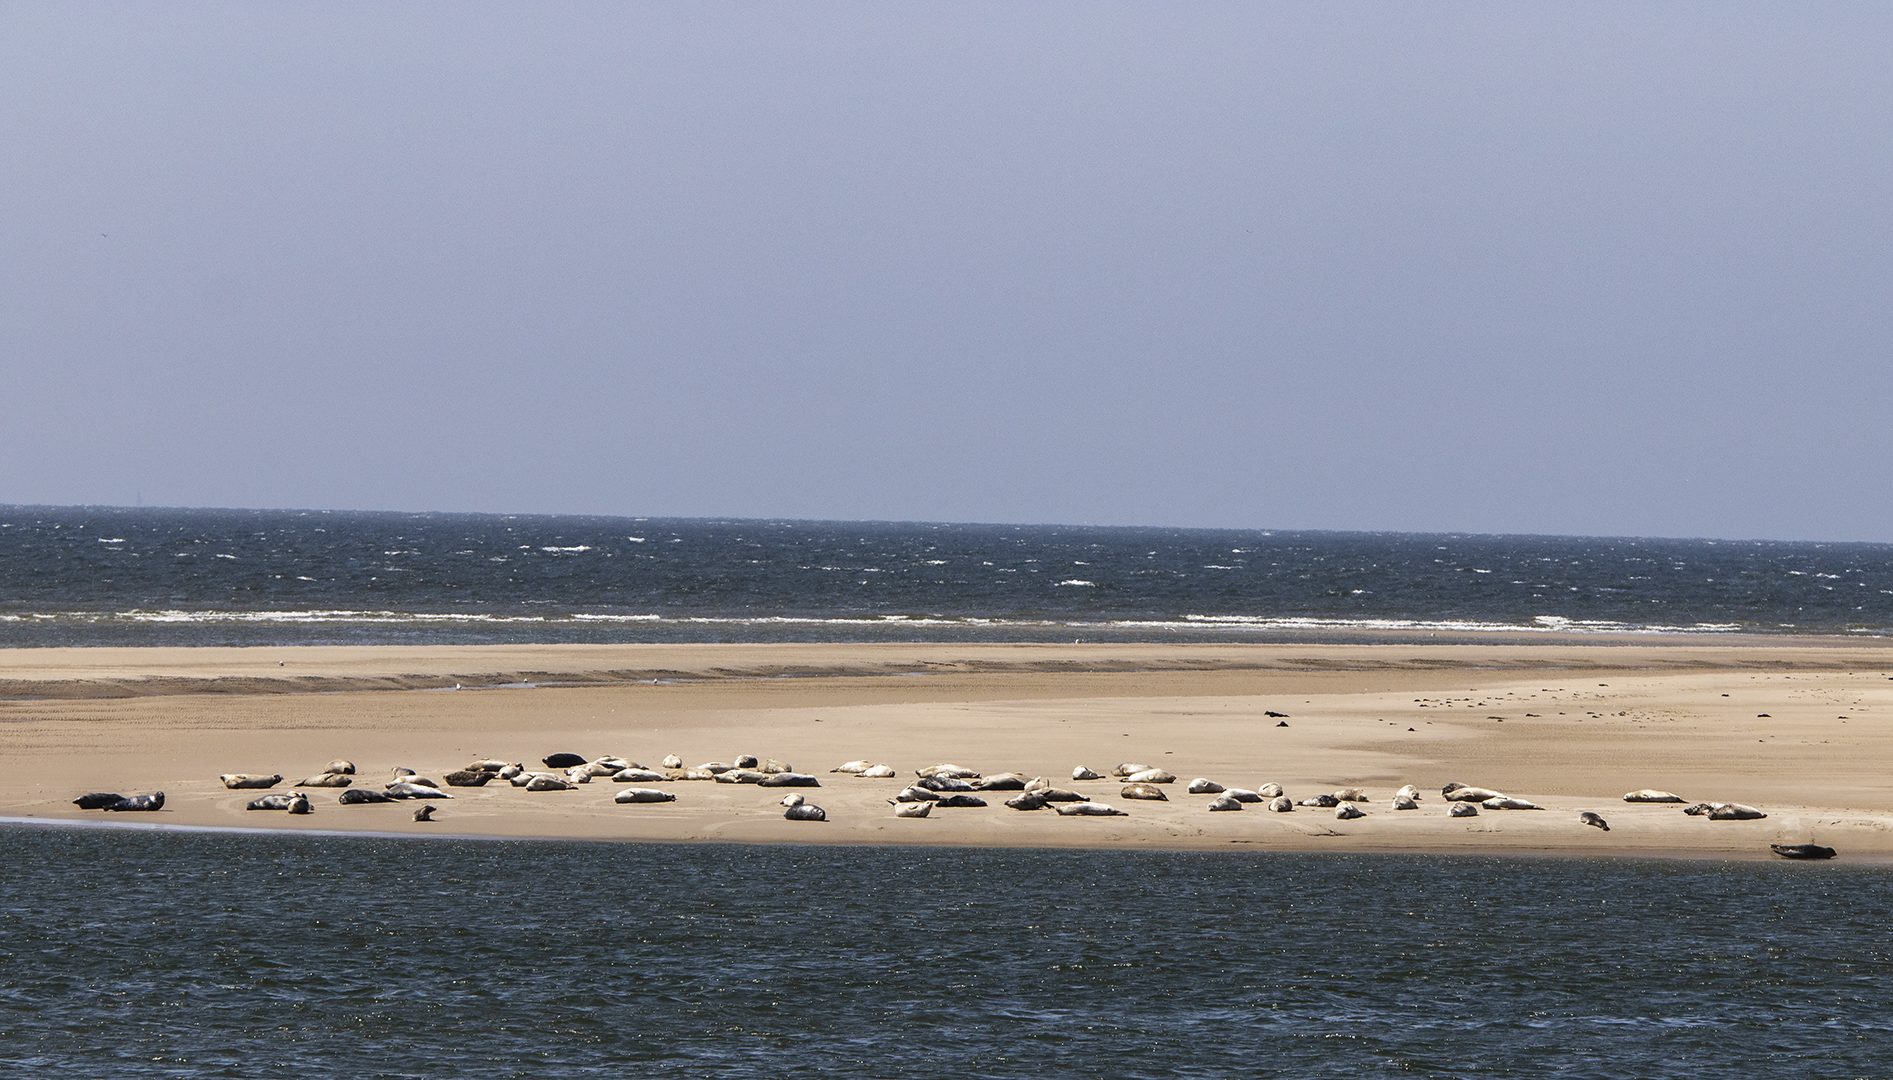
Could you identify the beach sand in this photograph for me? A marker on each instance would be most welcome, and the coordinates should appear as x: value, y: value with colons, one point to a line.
x: 1803, y: 730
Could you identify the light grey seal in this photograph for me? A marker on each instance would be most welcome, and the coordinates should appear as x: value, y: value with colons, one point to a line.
x: 1350, y: 794
x: 340, y: 767
x: 1462, y: 793
x: 299, y: 804
x: 857, y: 767
x: 916, y: 794
x: 796, y: 798
x: 1062, y: 795
x: 269, y: 802
x: 1151, y: 776
x: 747, y: 761
x: 957, y: 772
x: 878, y: 772
x: 693, y: 774
x: 1144, y: 791
x: 789, y: 779
x: 327, y: 779
x: 1270, y: 791
x: 1594, y: 819
x: 672, y: 761
x: 643, y: 795
x: 1347, y: 811
x: 1204, y: 786
x: 487, y: 765
x: 740, y: 776
x: 1325, y: 801
x: 771, y: 765
x: 638, y: 776
x: 547, y: 783
x: 1225, y: 801
x: 1082, y: 773
x: 235, y: 781
x: 153, y: 801
x: 1409, y: 792
x: 363, y: 795
x: 1282, y: 804
x: 424, y: 812
x: 399, y: 790
x: 1405, y: 802
x: 809, y: 812
x: 918, y: 809
x: 1031, y: 800
x: 1001, y: 782
x: 1464, y: 809
x: 1244, y: 795
x: 1088, y: 809
x: 1651, y: 795
x: 1506, y: 802
x: 1126, y: 768
x: 510, y: 771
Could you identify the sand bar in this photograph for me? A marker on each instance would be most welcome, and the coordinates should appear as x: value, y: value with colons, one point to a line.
x: 1798, y: 729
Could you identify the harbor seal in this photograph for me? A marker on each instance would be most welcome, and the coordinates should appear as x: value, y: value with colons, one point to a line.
x: 789, y: 779
x: 1462, y: 793
x: 1282, y: 804
x: 511, y: 771
x: 562, y: 761
x: 237, y: 781
x: 693, y: 774
x: 1347, y: 811
x: 958, y: 800
x: 943, y: 783
x: 97, y: 800
x: 878, y: 772
x: 1405, y: 802
x: 1463, y: 809
x: 748, y: 761
x: 547, y: 783
x: 1324, y: 801
x: 327, y: 779
x: 643, y: 795
x: 1506, y: 802
x: 1270, y: 791
x: 1088, y: 809
x: 1031, y: 800
x: 1038, y: 783
x: 1735, y: 812
x: 340, y: 767
x: 299, y: 804
x: 957, y: 772
x: 1126, y: 768
x: 635, y: 776
x: 1408, y: 792
x: 153, y: 801
x: 1151, y: 776
x: 918, y: 809
x: 1001, y: 782
x: 771, y: 765
x: 740, y: 776
x: 810, y: 812
x: 468, y: 778
x: 856, y: 767
x: 1594, y: 819
x: 424, y: 812
x: 672, y: 761
x: 1243, y: 795
x: 400, y: 790
x: 488, y: 765
x: 1061, y: 795
x: 1082, y: 773
x: 1204, y: 786
x: 796, y: 798
x: 1225, y: 802
x: 916, y: 794
x: 1350, y: 794
x: 270, y: 802
x: 1144, y: 791
x: 1802, y: 851
x: 1651, y: 795
x: 364, y: 795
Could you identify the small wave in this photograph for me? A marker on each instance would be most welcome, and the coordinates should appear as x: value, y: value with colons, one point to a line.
x: 1079, y: 581
x: 561, y: 550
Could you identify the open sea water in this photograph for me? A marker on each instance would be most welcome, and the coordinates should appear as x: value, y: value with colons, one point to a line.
x: 102, y: 576
x: 152, y: 954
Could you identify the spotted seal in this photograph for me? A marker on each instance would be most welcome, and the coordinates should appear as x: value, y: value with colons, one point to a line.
x: 1031, y: 800
x: 638, y: 776
x: 1735, y: 812
x: 789, y: 779
x: 364, y: 795
x: 1202, y: 785
x: 1651, y: 795
x: 1350, y: 794
x: 957, y: 772
x: 153, y: 801
x: 1144, y: 791
x: 1348, y: 811
x: 878, y: 772
x: 1802, y: 851
x: 1323, y: 801
x: 327, y: 779
x: 546, y: 783
x: 1464, y: 809
x: 1225, y: 801
x: 1462, y: 793
x: 399, y: 790
x: 1001, y: 782
x: 299, y: 804
x: 1088, y: 809
x: 424, y: 812
x: 1151, y: 776
x: 1244, y: 795
x: 643, y: 795
x: 1062, y: 795
x: 1270, y: 791
x: 808, y: 812
x: 916, y: 794
x: 468, y: 778
x: 1126, y: 768
x: 857, y: 767
x: 272, y: 802
x: 943, y: 783
x: 1282, y: 804
x: 340, y: 767
x: 672, y: 761
x: 237, y: 781
x: 1082, y: 773
x: 1593, y: 819
x: 1506, y: 802
x: 1405, y: 802
x: 1408, y: 792
x: 918, y: 809
x: 97, y: 800
x: 958, y: 800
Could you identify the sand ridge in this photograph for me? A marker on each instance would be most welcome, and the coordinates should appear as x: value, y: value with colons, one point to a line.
x: 1799, y: 730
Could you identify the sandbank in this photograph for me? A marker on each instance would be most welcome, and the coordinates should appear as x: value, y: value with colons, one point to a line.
x: 1799, y: 729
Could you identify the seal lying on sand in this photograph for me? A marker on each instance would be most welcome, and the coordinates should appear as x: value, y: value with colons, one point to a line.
x: 153, y: 801
x: 468, y: 778
x: 273, y: 802
x: 1464, y: 809
x: 1151, y: 776
x: 879, y: 772
x: 631, y: 776
x: 327, y: 779
x: 424, y: 812
x: 1506, y: 802
x: 1270, y: 791
x: 1002, y: 782
x: 811, y: 812
x: 235, y: 781
x: 1088, y: 809
x: 1282, y: 804
x: 1651, y: 795
x: 1031, y: 800
x: 1405, y: 802
x: 1348, y: 811
x: 915, y: 794
x: 364, y: 795
x: 643, y: 795
x: 919, y: 809
x: 97, y: 800
x: 1320, y: 800
x: 957, y: 800
x: 1225, y: 801
x: 1462, y: 793
x: 1144, y: 791
x: 789, y: 779
x: 562, y: 761
x: 1243, y: 795
x: 1082, y: 773
x: 340, y: 767
x: 1802, y: 851
x: 857, y: 767
x: 1203, y: 785
x: 400, y: 790
x: 1735, y: 811
x: 1594, y: 819
x: 299, y: 804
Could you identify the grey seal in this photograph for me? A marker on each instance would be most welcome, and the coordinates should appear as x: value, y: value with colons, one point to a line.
x: 1270, y: 791
x: 807, y: 812
x: 1802, y: 851
x: 327, y: 779
x: 1464, y: 809
x: 1462, y: 793
x: 424, y: 812
x: 399, y: 790
x: 1735, y: 812
x: 299, y: 804
x: 1204, y: 786
x: 748, y: 761
x: 789, y: 779
x: 1408, y: 792
x: 1282, y: 804
x: 236, y: 781
x: 468, y: 778
x: 546, y: 783
x: 364, y: 795
x: 638, y: 776
x: 943, y: 783
x: 1506, y: 802
x: 1031, y: 800
x: 1651, y: 795
x: 1324, y: 801
x: 1405, y: 802
x: 1088, y: 809
x: 1225, y: 801
x: 1347, y: 811
x: 272, y: 802
x: 1001, y: 782
x: 958, y: 800
x: 1350, y: 794
x: 878, y: 772
x: 1244, y: 795
x: 857, y: 767
x: 1144, y: 791
x: 1126, y: 768
x: 97, y: 800
x: 1082, y: 773
x: 643, y: 795
x: 153, y: 801
x: 1151, y: 776
x: 957, y: 772
x: 1594, y: 819
x: 740, y: 776
x: 916, y: 794
x: 340, y: 767
x: 919, y: 809
x: 1056, y: 795
x: 672, y: 761
x: 562, y: 761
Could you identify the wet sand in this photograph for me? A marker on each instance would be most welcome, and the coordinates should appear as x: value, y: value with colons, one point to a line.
x: 1798, y: 729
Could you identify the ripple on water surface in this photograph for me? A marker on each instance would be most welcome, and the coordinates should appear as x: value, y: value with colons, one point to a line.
x: 213, y: 955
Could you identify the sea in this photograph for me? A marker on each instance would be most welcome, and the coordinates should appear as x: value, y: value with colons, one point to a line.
x: 116, y: 576
x: 165, y: 952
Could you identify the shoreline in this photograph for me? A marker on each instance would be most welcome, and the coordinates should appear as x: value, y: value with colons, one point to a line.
x: 1794, y: 730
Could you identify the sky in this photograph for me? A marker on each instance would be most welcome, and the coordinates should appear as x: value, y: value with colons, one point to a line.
x: 1598, y: 268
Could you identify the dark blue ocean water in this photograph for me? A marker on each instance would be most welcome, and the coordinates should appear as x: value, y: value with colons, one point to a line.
x: 89, y: 576
x: 138, y: 954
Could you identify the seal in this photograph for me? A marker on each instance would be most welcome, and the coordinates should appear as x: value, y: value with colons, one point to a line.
x: 740, y: 776
x: 1405, y: 802
x: 424, y: 812
x: 637, y: 776
x: 486, y: 766
x: 1062, y: 795
x: 468, y: 778
x: 271, y: 802
x: 153, y: 801
x: 919, y: 809
x: 672, y: 761
x: 856, y: 767
x: 943, y: 783
x: 957, y: 772
x: 1144, y: 791
x: 364, y: 795
x: 1270, y: 791
x: 789, y: 779
x: 916, y: 794
x: 562, y: 761
x: 1735, y: 812
x: 1126, y: 768
x: 1088, y: 809
x: 1324, y: 801
x: 1408, y: 792
x: 1506, y: 802
x: 327, y: 779
x: 1802, y: 851
x: 1593, y: 819
x: 511, y: 771
x: 546, y: 783
x: 1462, y: 793
x: 1082, y: 773
x: 748, y: 761
x: 401, y: 790
x: 1243, y: 795
x: 236, y: 781
x: 1651, y: 795
x: 1282, y: 804
x: 771, y: 765
x: 1151, y: 776
x: 643, y: 795
x: 1347, y: 811
x: 1464, y: 809
x: 1031, y: 800
x: 807, y: 812
x: 878, y: 772
x: 299, y: 804
x: 340, y: 767
x: 796, y: 798
x: 97, y: 800
x: 1038, y: 783
x: 693, y: 774
x: 1204, y: 786
x: 1225, y: 801
x: 1001, y: 782
x: 1350, y: 794
x: 958, y: 800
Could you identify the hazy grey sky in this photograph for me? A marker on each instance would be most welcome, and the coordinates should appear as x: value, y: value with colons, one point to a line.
x: 1507, y: 267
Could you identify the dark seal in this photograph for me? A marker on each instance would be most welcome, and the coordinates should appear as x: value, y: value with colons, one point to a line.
x: 563, y: 761
x: 153, y: 801
x: 1802, y: 851
x: 97, y: 800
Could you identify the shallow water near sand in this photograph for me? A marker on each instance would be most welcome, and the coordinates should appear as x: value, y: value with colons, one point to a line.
x: 158, y: 954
